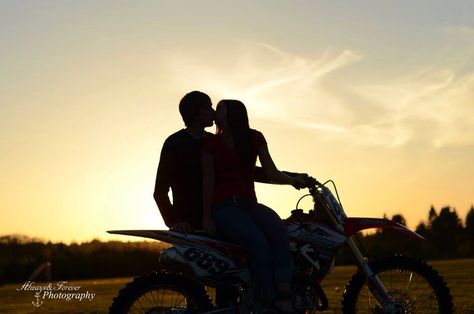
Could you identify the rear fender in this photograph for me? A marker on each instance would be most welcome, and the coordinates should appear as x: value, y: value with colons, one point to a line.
x: 197, y: 240
x: 354, y: 225
x: 167, y: 236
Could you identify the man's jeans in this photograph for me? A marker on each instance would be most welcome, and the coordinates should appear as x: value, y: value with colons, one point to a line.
x: 260, y: 230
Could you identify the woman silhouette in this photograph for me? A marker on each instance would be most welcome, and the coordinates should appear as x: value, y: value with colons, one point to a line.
x: 229, y: 200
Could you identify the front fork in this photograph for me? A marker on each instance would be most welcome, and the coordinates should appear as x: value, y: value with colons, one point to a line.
x: 336, y: 214
x: 374, y: 284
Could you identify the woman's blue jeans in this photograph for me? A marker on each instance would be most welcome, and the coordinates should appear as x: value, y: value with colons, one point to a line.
x: 260, y: 230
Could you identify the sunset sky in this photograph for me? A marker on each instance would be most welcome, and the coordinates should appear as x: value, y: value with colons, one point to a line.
x: 376, y: 95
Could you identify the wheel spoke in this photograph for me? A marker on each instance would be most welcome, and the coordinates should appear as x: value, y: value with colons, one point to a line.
x: 413, y: 283
x: 424, y: 299
x: 162, y: 296
x: 153, y: 296
x: 149, y: 299
x: 140, y: 304
x: 410, y: 277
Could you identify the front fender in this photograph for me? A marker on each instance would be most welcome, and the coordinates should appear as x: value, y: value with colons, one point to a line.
x: 354, y: 225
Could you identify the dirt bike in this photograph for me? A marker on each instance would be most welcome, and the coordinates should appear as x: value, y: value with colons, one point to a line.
x: 395, y: 284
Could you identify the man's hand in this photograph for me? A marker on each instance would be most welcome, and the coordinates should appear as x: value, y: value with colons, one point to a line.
x: 183, y: 227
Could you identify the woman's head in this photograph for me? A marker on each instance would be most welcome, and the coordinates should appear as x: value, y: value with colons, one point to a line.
x: 231, y: 116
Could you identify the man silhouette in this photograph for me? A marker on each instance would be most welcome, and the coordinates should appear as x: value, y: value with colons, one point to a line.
x: 180, y: 166
x: 180, y: 169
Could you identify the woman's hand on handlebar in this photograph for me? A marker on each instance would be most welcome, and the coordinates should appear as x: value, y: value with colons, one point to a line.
x: 299, y: 181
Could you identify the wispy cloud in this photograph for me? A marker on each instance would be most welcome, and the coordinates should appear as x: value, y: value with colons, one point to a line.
x: 304, y: 71
x: 433, y: 106
x: 460, y: 29
x: 435, y: 99
x: 322, y: 127
x: 275, y: 85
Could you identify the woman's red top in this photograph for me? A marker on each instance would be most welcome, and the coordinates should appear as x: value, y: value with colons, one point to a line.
x: 232, y: 177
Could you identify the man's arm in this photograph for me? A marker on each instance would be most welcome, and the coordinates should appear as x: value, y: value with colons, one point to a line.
x: 163, y: 181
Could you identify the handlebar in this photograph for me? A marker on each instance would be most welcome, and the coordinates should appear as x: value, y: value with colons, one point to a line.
x: 311, y: 182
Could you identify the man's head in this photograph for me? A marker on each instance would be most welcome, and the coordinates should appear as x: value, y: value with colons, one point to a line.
x: 196, y: 109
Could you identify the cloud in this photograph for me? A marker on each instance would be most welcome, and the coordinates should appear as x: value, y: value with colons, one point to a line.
x: 274, y: 84
x: 298, y: 70
x: 431, y: 106
x: 438, y: 99
x: 460, y: 30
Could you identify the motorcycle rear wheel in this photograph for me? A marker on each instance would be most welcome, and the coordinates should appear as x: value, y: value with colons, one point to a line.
x: 414, y: 286
x: 161, y: 293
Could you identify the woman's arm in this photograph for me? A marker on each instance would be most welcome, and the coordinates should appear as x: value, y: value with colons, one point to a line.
x: 273, y: 174
x: 207, y: 161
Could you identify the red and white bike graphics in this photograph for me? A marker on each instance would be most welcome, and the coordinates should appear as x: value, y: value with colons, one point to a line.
x: 395, y: 284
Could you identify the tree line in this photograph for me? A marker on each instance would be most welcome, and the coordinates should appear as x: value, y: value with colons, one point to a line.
x: 447, y: 237
x: 21, y: 256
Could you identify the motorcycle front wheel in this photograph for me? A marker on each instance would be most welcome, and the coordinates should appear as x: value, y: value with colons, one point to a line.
x: 412, y: 285
x: 161, y: 293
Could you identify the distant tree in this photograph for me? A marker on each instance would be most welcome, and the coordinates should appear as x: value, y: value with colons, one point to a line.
x: 470, y: 231
x: 470, y: 222
x: 422, y: 230
x: 399, y: 219
x: 446, y: 228
x: 425, y: 249
x: 380, y: 230
x: 20, y: 257
x: 432, y: 215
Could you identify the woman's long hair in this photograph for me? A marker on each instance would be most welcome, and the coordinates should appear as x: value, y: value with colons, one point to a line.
x: 238, y: 122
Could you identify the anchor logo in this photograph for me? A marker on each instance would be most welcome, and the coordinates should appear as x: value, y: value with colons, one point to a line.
x: 38, y: 303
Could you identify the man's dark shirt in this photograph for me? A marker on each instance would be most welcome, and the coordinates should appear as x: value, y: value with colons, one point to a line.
x: 180, y: 169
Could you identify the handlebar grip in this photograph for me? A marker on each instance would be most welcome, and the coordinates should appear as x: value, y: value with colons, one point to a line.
x: 310, y: 181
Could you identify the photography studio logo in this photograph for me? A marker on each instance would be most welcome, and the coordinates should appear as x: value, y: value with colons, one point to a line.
x: 62, y: 290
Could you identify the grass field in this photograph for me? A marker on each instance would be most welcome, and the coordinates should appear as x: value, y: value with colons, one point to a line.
x: 459, y: 274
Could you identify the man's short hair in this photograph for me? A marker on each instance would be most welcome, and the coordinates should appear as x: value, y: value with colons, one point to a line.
x: 190, y: 105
